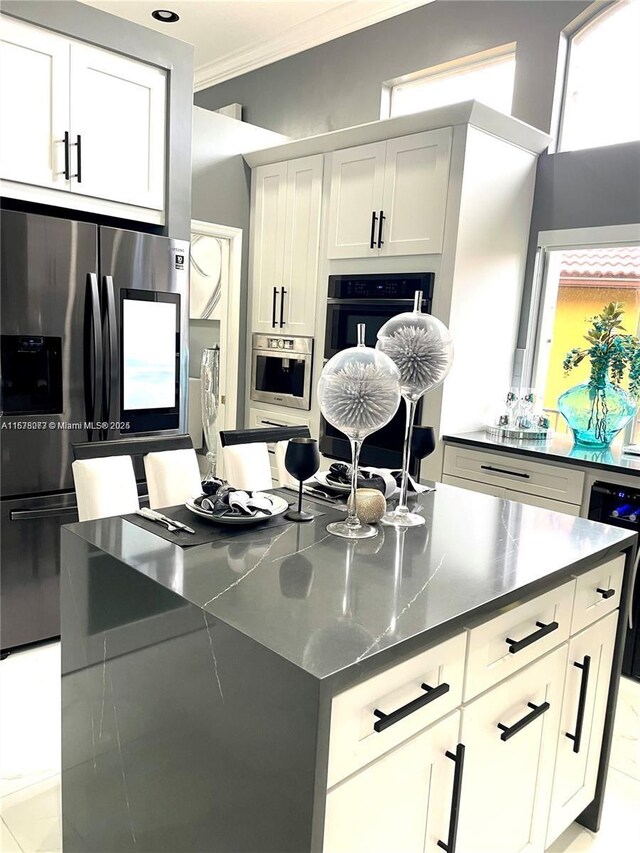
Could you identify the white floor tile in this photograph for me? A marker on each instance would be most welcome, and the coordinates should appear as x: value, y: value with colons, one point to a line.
x: 8, y: 844
x: 625, y: 749
x: 29, y: 717
x: 33, y: 816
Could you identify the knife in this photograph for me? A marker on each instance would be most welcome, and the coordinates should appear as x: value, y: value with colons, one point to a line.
x: 153, y: 515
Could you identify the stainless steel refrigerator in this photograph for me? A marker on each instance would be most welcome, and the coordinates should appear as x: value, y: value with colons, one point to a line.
x: 94, y: 346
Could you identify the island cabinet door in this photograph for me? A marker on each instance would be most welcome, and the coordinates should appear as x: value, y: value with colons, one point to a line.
x: 582, y: 722
x: 510, y: 735
x: 401, y: 803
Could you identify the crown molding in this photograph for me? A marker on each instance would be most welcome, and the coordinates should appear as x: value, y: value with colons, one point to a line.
x: 337, y: 22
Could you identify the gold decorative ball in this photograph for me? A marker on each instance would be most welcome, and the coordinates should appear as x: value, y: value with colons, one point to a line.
x: 370, y: 505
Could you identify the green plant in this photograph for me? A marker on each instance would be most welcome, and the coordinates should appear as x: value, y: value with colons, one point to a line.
x: 612, y: 352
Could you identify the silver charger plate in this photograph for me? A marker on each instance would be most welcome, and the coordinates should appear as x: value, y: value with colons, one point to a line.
x: 322, y: 479
x: 280, y: 505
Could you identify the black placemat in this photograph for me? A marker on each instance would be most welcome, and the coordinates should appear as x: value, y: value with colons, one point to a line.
x: 205, y: 531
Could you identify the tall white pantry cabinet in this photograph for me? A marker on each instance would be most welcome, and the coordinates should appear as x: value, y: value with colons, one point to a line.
x: 448, y: 191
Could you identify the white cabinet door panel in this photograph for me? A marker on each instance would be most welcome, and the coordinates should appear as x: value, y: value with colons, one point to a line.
x: 506, y: 784
x: 400, y: 803
x: 576, y: 771
x: 118, y: 110
x: 415, y: 193
x: 34, y: 100
x: 268, y: 229
x: 357, y: 180
x: 304, y: 194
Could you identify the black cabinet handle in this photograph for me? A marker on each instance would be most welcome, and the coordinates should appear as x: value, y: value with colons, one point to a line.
x: 282, y: 295
x: 67, y: 169
x: 503, y: 471
x: 382, y: 218
x: 372, y: 240
x: 273, y: 307
x: 517, y: 645
x: 458, y: 757
x: 386, y: 720
x: 510, y: 731
x: 582, y: 702
x: 606, y: 593
x: 79, y: 147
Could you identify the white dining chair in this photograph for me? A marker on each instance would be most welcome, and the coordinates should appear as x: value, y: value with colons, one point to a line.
x: 247, y: 466
x: 105, y: 487
x: 172, y: 477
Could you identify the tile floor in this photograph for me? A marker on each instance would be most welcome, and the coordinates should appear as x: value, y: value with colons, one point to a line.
x: 30, y: 763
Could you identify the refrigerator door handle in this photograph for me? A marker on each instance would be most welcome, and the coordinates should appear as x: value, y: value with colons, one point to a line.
x: 49, y: 512
x: 111, y: 354
x: 92, y: 354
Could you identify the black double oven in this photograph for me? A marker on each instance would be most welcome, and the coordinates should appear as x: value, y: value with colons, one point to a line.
x: 370, y: 299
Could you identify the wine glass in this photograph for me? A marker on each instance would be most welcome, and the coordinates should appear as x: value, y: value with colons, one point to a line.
x: 421, y: 347
x: 358, y: 393
x: 423, y: 441
x: 301, y: 460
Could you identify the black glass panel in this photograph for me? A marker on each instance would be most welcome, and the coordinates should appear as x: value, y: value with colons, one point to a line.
x: 278, y: 375
x: 31, y: 375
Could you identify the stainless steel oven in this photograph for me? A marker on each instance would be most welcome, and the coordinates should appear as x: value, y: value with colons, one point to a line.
x: 371, y: 299
x: 281, y: 370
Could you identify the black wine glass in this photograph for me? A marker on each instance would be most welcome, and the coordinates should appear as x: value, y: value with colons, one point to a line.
x: 301, y: 460
x: 423, y: 441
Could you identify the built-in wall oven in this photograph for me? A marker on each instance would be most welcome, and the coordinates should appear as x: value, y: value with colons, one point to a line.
x: 371, y: 299
x: 620, y: 506
x: 281, y: 370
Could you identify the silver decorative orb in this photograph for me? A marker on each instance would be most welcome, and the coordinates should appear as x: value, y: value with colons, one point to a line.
x: 421, y: 348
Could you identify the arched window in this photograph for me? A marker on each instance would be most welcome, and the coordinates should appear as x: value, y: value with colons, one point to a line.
x: 601, y: 103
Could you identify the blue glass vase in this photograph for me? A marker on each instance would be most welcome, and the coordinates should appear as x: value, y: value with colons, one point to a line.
x: 596, y: 415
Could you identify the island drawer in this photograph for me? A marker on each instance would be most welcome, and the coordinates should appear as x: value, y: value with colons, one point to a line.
x: 507, y: 643
x: 376, y: 715
x: 513, y: 472
x: 597, y: 593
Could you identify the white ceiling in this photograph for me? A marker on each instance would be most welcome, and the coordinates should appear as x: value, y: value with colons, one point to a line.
x: 232, y: 37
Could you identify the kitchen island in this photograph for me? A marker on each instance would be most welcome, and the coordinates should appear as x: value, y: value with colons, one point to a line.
x: 285, y: 690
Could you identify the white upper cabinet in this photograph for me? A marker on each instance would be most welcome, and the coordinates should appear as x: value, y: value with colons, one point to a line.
x: 285, y: 239
x: 34, y: 100
x: 81, y: 121
x: 118, y: 112
x: 389, y: 198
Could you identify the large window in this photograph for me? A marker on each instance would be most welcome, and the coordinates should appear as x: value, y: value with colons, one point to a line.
x: 601, y: 103
x: 486, y: 77
x: 577, y: 285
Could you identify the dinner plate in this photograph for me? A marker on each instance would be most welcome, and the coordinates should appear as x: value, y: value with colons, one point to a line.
x: 280, y: 505
x: 322, y: 478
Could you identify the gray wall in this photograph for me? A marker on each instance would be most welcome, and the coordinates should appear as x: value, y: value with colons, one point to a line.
x: 99, y: 28
x: 221, y: 189
x: 338, y: 84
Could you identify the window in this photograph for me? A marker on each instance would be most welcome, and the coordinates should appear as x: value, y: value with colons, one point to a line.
x: 486, y: 77
x: 577, y: 285
x: 601, y: 104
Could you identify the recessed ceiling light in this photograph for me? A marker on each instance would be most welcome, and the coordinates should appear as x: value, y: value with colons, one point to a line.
x: 165, y: 16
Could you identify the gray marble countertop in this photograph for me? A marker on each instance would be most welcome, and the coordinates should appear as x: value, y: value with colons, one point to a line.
x: 560, y: 448
x: 336, y: 609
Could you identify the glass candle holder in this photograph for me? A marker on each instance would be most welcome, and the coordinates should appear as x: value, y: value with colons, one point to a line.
x: 358, y: 393
x: 422, y: 349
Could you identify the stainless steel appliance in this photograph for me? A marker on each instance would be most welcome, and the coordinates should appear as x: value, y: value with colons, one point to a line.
x: 94, y: 335
x: 371, y: 299
x: 620, y: 506
x: 281, y: 370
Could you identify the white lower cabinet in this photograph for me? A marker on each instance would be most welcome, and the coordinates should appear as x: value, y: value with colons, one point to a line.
x: 510, y: 736
x: 400, y: 803
x: 582, y: 722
